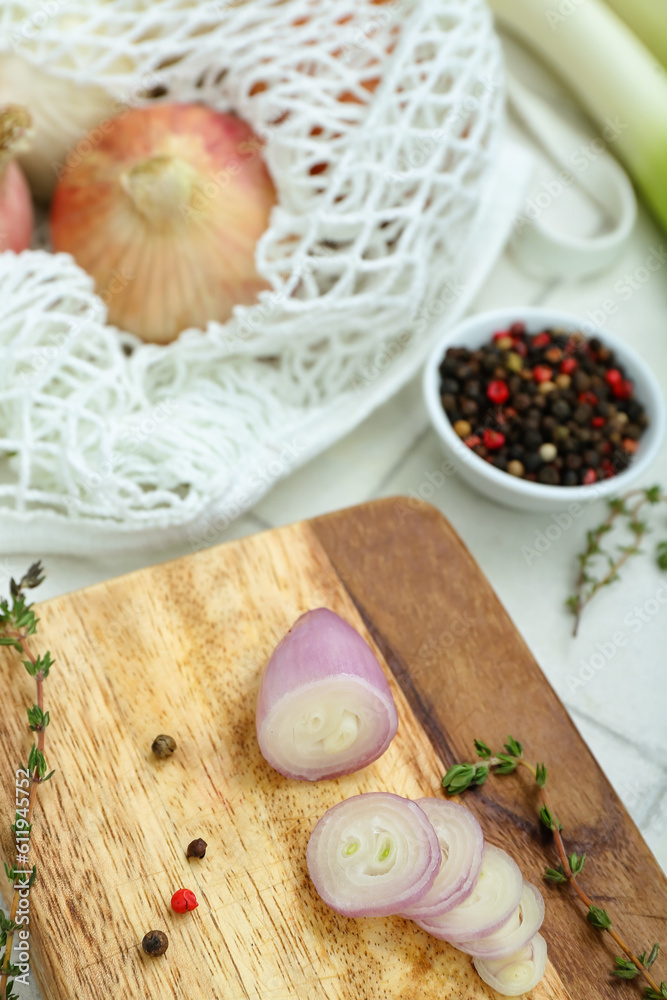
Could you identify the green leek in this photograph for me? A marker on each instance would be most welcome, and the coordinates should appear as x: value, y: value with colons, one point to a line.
x: 648, y: 20
x: 619, y: 82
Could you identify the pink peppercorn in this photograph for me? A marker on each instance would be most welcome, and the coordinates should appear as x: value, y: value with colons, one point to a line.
x: 498, y: 392
x: 184, y: 900
x: 623, y: 389
x: 493, y: 439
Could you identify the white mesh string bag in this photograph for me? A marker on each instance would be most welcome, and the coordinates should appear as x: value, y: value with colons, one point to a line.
x: 381, y: 125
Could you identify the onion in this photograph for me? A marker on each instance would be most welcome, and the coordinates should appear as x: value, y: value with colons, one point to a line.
x: 372, y: 855
x: 462, y: 848
x: 16, y: 215
x: 516, y: 974
x: 493, y: 900
x: 324, y: 707
x: 164, y: 210
x: 515, y: 934
x: 62, y: 113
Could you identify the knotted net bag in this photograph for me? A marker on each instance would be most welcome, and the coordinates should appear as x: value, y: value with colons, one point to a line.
x: 380, y: 123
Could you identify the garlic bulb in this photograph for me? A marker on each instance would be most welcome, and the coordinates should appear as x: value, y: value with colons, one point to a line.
x: 62, y: 113
x: 16, y: 215
x: 165, y: 212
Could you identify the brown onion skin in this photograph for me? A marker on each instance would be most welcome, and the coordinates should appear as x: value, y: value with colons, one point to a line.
x: 92, y: 216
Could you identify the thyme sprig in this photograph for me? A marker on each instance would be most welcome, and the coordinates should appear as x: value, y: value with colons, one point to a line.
x: 460, y: 777
x: 590, y: 579
x: 17, y: 625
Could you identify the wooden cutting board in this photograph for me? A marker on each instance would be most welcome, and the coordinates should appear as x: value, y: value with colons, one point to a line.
x: 179, y: 648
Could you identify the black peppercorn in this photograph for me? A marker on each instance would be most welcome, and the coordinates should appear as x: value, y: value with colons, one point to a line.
x: 449, y: 386
x: 561, y: 410
x: 548, y: 426
x: 549, y: 407
x: 155, y: 943
x: 532, y: 461
x: 163, y: 746
x: 583, y: 414
x: 196, y: 848
x: 548, y: 475
x: 532, y: 440
x: 581, y: 381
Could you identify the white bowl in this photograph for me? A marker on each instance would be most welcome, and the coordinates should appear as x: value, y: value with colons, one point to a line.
x: 477, y: 330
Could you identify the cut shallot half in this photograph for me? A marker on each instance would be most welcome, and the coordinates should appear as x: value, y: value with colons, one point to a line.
x: 494, y: 898
x: 515, y: 934
x: 324, y: 706
x: 516, y: 974
x: 462, y: 848
x: 373, y: 855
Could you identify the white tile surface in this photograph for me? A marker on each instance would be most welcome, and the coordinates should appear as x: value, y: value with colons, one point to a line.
x: 619, y: 701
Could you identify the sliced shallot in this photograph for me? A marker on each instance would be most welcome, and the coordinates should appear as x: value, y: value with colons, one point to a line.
x: 516, y: 974
x: 515, y: 934
x: 373, y: 855
x: 324, y: 706
x: 462, y: 847
x: 492, y: 901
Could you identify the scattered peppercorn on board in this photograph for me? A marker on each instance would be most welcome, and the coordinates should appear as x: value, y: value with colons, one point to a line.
x: 179, y: 649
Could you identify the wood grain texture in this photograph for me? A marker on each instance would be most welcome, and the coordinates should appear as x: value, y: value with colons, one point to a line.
x: 179, y: 648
